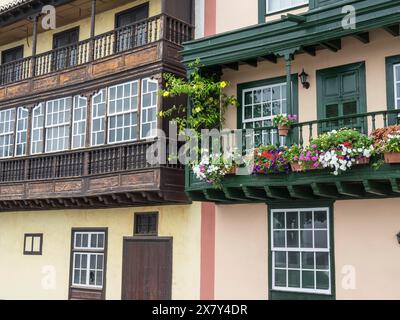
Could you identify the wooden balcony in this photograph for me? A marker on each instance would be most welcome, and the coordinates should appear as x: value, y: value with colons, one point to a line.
x: 89, y: 178
x: 118, y: 52
x: 361, y: 182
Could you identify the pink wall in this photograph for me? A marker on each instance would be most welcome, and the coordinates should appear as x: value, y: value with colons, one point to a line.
x: 207, y: 268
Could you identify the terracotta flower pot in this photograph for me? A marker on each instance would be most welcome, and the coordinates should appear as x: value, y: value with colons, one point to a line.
x: 283, y: 131
x: 232, y: 171
x: 392, y: 157
x: 363, y: 161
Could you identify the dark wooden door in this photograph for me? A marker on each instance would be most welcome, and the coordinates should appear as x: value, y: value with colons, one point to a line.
x: 147, y: 269
x: 131, y: 34
x: 12, y: 71
x: 65, y: 45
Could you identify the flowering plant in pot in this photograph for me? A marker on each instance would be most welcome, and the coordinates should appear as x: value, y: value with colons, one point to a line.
x: 284, y: 123
x: 212, y: 168
x: 391, y: 148
x: 270, y: 159
x: 303, y: 158
x: 341, y: 150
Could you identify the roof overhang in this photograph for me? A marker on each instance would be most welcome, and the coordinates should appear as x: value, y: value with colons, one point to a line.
x: 321, y: 24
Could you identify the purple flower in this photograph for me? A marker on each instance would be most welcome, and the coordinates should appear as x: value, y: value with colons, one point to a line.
x: 316, y: 165
x: 315, y: 158
x: 314, y: 146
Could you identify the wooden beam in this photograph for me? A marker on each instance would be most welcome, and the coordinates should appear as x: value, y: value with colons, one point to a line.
x: 254, y: 193
x: 377, y: 188
x: 294, y: 18
x: 363, y: 37
x: 333, y: 45
x: 325, y: 191
x: 235, y: 194
x: 393, y: 30
x: 196, y: 196
x: 350, y: 190
x: 271, y: 58
x: 300, y: 192
x: 280, y: 193
x: 395, y: 185
x: 215, y: 195
x: 311, y: 50
x: 251, y: 62
x: 233, y: 66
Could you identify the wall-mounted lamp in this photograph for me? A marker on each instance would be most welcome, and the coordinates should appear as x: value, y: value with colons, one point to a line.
x: 303, y: 78
x: 398, y: 237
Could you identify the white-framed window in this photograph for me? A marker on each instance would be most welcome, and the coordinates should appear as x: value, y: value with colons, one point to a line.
x: 98, y: 118
x: 281, y: 5
x: 79, y: 122
x: 300, y: 247
x: 37, y: 143
x: 21, y: 132
x: 58, y: 124
x: 396, y: 78
x: 149, y: 108
x: 88, y: 259
x: 7, y: 127
x: 260, y: 106
x: 122, y: 111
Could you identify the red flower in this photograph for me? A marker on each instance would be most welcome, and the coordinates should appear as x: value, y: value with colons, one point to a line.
x: 348, y: 144
x: 267, y: 155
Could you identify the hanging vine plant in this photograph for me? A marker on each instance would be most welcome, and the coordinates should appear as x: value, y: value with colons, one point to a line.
x: 208, y: 102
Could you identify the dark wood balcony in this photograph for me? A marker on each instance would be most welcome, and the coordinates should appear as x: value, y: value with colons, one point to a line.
x: 89, y: 178
x: 361, y: 182
x: 154, y: 40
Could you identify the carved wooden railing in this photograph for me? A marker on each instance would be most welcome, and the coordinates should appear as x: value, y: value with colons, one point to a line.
x: 101, y: 160
x: 141, y: 33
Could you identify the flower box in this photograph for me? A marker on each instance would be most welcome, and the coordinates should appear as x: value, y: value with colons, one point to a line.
x: 296, y: 167
x: 392, y: 157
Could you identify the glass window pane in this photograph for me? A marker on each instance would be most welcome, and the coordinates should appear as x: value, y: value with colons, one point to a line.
x: 280, y: 259
x: 322, y: 259
x: 306, y: 220
x: 322, y: 280
x: 321, y: 239
x: 294, y: 260
x: 279, y: 220
x: 292, y: 239
x: 307, y: 260
x: 320, y: 220
x: 306, y: 239
x: 294, y: 278
x: 308, y: 279
x: 279, y: 239
x: 280, y: 278
x: 292, y: 220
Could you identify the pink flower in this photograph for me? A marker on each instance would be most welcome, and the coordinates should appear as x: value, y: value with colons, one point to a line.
x: 295, y: 158
x: 308, y: 159
x: 314, y: 158
x: 316, y: 165
x: 302, y: 158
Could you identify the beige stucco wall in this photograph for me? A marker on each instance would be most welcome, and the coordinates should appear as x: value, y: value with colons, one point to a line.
x: 105, y: 22
x: 365, y: 246
x: 241, y: 14
x: 241, y: 246
x: 21, y: 276
x: 381, y: 45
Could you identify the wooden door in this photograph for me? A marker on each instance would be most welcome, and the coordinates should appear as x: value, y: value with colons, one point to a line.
x: 65, y: 45
x: 147, y: 269
x: 12, y: 71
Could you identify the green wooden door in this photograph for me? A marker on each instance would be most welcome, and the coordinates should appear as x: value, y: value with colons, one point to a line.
x: 341, y: 92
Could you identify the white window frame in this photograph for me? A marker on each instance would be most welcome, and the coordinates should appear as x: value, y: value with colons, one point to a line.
x: 75, y: 106
x: 48, y: 126
x: 274, y: 133
x: 115, y: 114
x: 154, y: 104
x: 17, y: 132
x: 11, y: 132
x: 41, y: 129
x: 103, y: 94
x: 396, y: 82
x: 88, y: 251
x: 300, y: 250
x: 293, y: 6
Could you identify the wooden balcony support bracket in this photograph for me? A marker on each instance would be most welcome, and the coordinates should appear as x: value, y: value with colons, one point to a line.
x: 301, y: 192
x: 350, y: 189
x: 277, y: 193
x: 255, y: 193
x: 215, y: 196
x: 325, y: 190
x: 378, y: 188
x: 235, y: 194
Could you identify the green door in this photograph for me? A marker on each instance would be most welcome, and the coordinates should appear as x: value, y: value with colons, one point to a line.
x: 341, y: 92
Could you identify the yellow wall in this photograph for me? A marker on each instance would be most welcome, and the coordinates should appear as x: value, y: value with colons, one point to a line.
x: 21, y: 276
x: 364, y: 243
x: 105, y: 22
x: 381, y: 45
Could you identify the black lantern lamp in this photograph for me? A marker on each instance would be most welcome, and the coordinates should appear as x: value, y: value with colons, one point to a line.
x: 398, y: 237
x: 303, y: 78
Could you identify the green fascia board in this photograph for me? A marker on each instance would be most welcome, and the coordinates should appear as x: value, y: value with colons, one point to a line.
x: 324, y: 23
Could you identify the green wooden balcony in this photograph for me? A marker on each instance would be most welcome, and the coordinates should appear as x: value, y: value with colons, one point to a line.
x: 361, y: 182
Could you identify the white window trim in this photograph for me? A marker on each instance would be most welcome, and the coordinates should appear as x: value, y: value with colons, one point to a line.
x: 40, y: 105
x: 141, y: 110
x: 87, y: 285
x: 305, y: 2
x: 75, y: 122
x: 273, y: 250
x: 108, y: 115
x: 17, y: 131
x: 395, y: 82
x: 103, y: 93
x: 10, y: 133
x: 89, y: 240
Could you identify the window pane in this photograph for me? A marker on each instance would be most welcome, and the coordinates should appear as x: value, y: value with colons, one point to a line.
x: 292, y: 220
x: 279, y: 239
x: 292, y: 239
x: 279, y: 220
x: 320, y: 221
x: 307, y: 260
x: 322, y: 259
x: 280, y: 278
x: 308, y: 279
x: 280, y: 259
x: 149, y: 108
x: 321, y: 239
x: 294, y: 278
x: 306, y: 220
x: 306, y: 239
x: 294, y: 260
x: 322, y: 280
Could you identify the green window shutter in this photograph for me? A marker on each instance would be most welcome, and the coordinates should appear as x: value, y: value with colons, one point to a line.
x: 390, y: 89
x: 320, y: 3
x: 341, y: 92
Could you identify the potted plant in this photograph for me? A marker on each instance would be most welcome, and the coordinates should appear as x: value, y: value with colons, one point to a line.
x: 270, y: 159
x: 341, y: 150
x: 284, y: 123
x: 391, y: 148
x: 213, y: 168
x: 303, y: 158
